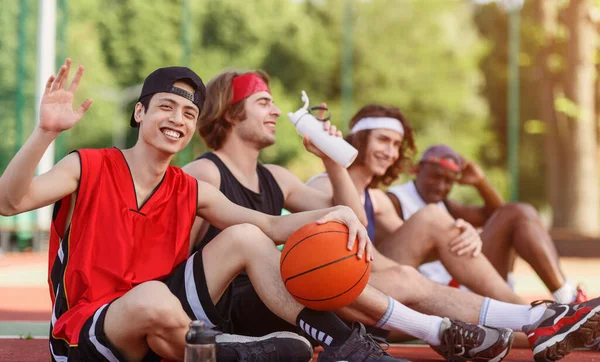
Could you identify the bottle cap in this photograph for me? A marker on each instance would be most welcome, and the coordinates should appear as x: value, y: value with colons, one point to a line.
x: 200, y: 334
x: 295, y: 116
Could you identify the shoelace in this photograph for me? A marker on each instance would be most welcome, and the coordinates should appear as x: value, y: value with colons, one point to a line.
x: 460, y: 337
x: 542, y: 301
x: 374, y: 343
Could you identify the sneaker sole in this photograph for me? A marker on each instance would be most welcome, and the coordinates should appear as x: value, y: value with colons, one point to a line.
x: 225, y: 339
x: 498, y: 358
x: 501, y: 356
x: 559, y: 346
x: 504, y: 353
x: 236, y: 338
x: 592, y: 331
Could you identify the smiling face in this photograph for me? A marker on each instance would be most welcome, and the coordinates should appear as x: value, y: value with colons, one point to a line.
x: 434, y: 182
x: 170, y: 120
x: 261, y: 117
x: 383, y: 149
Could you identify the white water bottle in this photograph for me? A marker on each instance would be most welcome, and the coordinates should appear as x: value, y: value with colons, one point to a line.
x: 334, y: 147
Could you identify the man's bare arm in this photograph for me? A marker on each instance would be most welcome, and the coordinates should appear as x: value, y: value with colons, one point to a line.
x: 397, y: 207
x: 38, y: 191
x: 215, y: 208
x: 472, y: 175
x: 206, y: 171
x: 19, y: 190
x: 344, y: 191
x: 388, y: 220
x: 301, y: 197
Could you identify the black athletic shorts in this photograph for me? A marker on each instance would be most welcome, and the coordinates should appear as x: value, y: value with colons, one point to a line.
x: 249, y: 315
x: 187, y: 283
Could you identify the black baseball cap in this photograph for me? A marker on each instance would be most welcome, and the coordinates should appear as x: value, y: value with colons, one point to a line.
x: 162, y: 80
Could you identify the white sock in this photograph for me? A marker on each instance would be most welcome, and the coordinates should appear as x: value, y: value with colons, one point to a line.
x: 510, y: 280
x: 565, y: 294
x: 505, y: 315
x: 399, y: 317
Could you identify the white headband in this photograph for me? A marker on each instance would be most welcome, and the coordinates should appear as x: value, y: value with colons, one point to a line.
x: 376, y: 123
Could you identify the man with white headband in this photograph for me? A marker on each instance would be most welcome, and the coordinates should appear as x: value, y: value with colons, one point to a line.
x: 378, y: 123
x: 385, y: 143
x: 507, y: 228
x: 238, y: 121
x: 386, y: 146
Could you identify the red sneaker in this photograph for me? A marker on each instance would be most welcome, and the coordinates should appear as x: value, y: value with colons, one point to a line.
x: 562, y: 328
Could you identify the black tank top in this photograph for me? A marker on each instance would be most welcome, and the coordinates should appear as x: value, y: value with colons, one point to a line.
x: 268, y: 201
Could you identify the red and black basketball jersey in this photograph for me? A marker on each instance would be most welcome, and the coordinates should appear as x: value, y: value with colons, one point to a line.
x: 113, y: 244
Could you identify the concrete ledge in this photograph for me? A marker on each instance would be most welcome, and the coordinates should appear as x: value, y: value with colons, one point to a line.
x: 574, y: 244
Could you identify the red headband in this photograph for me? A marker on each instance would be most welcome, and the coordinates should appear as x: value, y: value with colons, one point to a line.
x: 246, y: 85
x: 449, y: 164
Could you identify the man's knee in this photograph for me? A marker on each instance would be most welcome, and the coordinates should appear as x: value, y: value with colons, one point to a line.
x: 402, y: 279
x: 153, y: 305
x: 519, y: 211
x: 432, y: 215
x: 434, y: 222
x: 406, y: 272
x: 430, y: 211
x: 244, y: 236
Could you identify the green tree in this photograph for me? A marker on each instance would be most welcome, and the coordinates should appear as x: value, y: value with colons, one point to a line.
x: 9, y: 18
x: 428, y: 68
x: 558, y: 99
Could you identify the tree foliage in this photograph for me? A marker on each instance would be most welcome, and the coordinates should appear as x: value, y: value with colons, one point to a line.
x: 421, y: 56
x: 559, y: 153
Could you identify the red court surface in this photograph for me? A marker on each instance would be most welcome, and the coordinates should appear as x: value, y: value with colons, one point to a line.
x: 24, y: 304
x: 24, y: 297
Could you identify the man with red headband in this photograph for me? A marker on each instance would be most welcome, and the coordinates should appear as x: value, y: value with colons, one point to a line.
x: 507, y: 228
x: 238, y: 128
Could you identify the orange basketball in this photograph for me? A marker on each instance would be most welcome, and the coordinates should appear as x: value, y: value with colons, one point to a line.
x: 318, y: 269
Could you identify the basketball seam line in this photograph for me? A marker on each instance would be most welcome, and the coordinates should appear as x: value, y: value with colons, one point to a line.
x: 310, y: 236
x: 335, y: 296
x: 319, y: 267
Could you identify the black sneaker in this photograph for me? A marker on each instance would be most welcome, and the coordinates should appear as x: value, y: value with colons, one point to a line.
x: 274, y: 347
x: 359, y: 347
x: 470, y: 342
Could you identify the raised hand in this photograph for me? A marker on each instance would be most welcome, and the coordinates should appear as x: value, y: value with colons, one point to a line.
x: 471, y: 174
x: 56, y: 109
x: 327, y: 126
